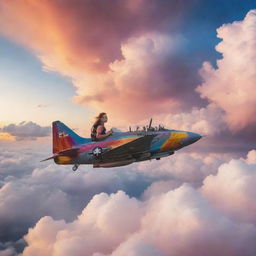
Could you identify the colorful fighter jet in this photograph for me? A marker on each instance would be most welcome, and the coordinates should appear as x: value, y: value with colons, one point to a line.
x: 121, y: 148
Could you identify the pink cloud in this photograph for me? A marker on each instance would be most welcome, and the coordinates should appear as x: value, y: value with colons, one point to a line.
x: 109, y: 50
x: 206, y: 120
x: 138, y: 82
x: 168, y: 217
x: 106, y: 221
x: 232, y: 189
x: 232, y: 84
x: 176, y: 222
x: 251, y: 157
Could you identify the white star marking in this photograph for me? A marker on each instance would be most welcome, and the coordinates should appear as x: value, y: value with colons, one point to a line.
x: 97, y: 151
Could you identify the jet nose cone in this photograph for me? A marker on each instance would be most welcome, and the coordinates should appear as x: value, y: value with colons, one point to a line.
x: 193, y: 137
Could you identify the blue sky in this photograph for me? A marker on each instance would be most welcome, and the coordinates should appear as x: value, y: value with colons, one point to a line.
x: 24, y: 85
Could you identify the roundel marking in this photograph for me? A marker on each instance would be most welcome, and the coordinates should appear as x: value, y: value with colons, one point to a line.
x: 97, y: 151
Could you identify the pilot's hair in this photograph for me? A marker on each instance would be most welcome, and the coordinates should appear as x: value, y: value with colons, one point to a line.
x: 97, y: 121
x: 96, y: 124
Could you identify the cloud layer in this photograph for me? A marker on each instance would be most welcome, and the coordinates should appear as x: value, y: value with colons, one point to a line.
x: 169, y: 217
x: 177, y: 222
x: 24, y: 130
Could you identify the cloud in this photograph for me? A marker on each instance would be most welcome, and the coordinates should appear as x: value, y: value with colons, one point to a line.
x: 7, y: 252
x: 26, y: 130
x: 26, y: 183
x: 151, y: 77
x: 151, y: 183
x: 5, y: 136
x: 231, y: 84
x: 17, y: 164
x: 207, y: 120
x: 131, y: 57
x: 55, y: 191
x: 12, y: 248
x: 228, y: 89
x: 82, y: 46
x: 251, y: 157
x: 176, y: 222
x: 184, y: 167
x: 232, y: 189
x: 106, y: 222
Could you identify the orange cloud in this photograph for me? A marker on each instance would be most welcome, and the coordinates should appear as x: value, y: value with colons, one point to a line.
x: 109, y: 50
x: 6, y: 136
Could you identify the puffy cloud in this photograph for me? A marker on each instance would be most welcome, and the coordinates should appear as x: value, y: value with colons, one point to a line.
x: 106, y: 221
x: 26, y: 130
x: 251, y: 157
x: 174, y: 223
x: 206, y: 120
x: 110, y: 51
x: 6, y: 136
x: 26, y: 183
x: 232, y: 189
x: 55, y: 191
x: 7, y: 252
x: 228, y: 89
x: 159, y: 187
x: 93, y: 30
x: 58, y: 192
x: 183, y: 167
x: 12, y: 248
x: 231, y: 84
x: 151, y: 77
x: 19, y: 161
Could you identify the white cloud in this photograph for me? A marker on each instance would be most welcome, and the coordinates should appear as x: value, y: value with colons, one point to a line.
x: 151, y: 77
x: 232, y: 189
x: 26, y: 130
x: 231, y: 86
x: 206, y: 121
x: 251, y: 157
x: 174, y: 223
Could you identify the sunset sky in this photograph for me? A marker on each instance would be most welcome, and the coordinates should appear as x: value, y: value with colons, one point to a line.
x: 190, y: 65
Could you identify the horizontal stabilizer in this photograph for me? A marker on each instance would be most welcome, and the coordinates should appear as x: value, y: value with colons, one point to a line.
x: 49, y: 158
x: 73, y: 152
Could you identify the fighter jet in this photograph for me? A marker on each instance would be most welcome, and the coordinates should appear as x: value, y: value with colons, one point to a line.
x: 120, y: 148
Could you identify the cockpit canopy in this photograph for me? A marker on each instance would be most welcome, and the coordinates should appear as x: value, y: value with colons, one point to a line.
x: 148, y: 128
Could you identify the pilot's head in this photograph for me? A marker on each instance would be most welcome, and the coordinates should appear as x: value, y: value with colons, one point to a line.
x: 102, y: 117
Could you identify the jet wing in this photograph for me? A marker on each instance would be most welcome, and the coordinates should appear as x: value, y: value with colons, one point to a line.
x: 127, y: 150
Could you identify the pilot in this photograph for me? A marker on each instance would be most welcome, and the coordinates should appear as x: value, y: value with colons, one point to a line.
x: 98, y: 131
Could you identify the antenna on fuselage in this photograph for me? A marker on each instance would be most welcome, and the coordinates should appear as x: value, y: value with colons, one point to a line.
x: 150, y: 123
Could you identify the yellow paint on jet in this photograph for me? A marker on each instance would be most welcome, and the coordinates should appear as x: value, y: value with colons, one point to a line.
x: 63, y: 159
x: 174, y: 140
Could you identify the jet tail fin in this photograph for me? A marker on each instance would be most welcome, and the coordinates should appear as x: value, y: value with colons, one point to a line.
x: 64, y: 138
